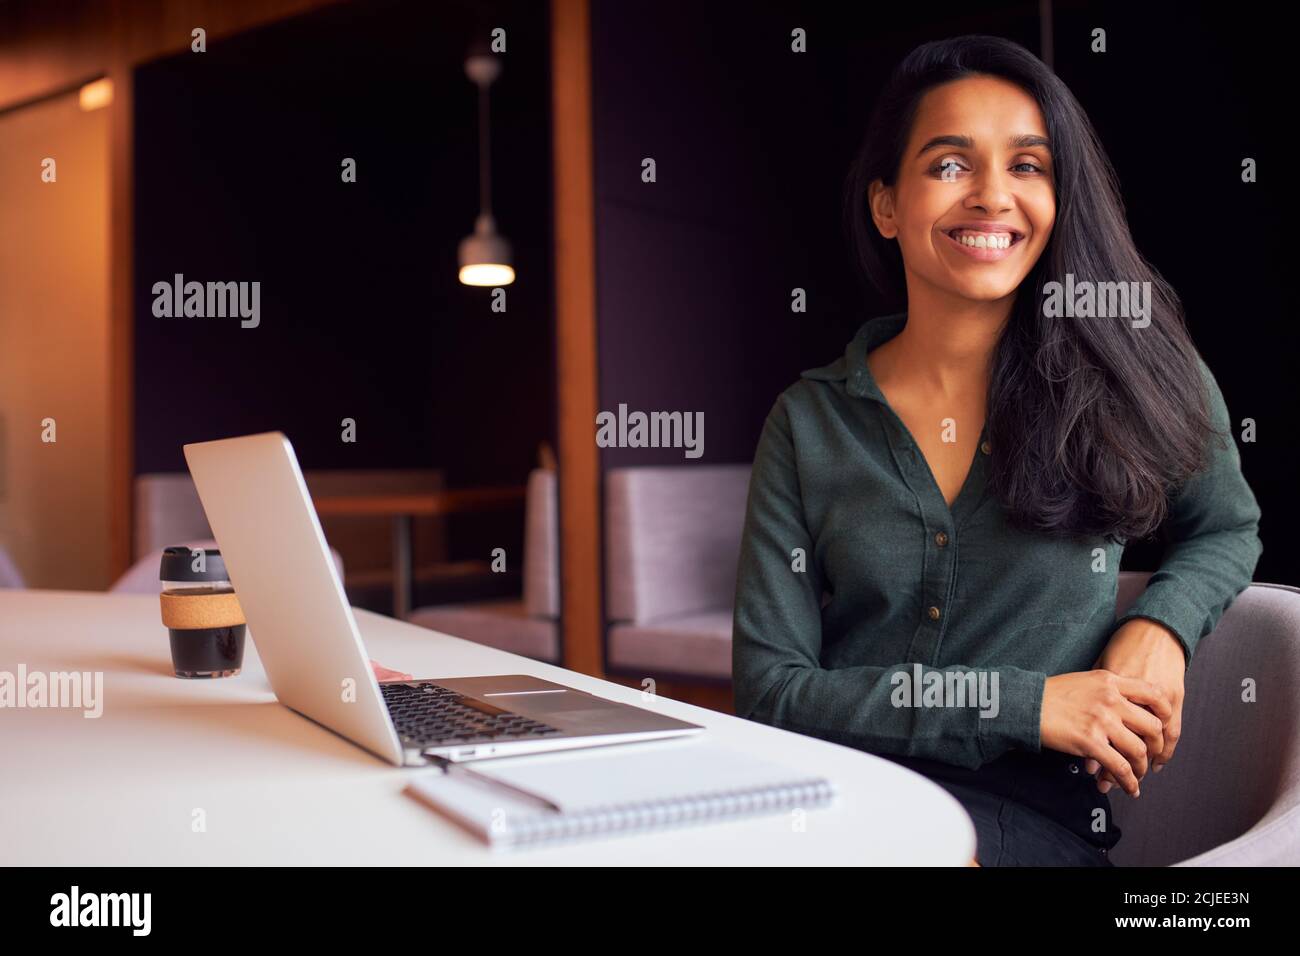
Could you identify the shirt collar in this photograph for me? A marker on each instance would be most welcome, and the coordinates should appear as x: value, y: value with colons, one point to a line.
x: 851, y: 368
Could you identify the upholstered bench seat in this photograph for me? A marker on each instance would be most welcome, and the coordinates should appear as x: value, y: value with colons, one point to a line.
x: 695, y: 645
x: 531, y: 626
x: 672, y: 549
x: 505, y: 625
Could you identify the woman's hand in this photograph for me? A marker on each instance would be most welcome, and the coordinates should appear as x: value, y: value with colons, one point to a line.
x: 1114, y: 720
x: 383, y: 673
x: 1150, y: 651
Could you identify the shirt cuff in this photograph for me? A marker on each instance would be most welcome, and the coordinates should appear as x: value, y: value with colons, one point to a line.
x: 1165, y: 603
x: 1018, y: 725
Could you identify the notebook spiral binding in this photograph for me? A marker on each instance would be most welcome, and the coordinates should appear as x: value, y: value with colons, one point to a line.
x: 543, y: 828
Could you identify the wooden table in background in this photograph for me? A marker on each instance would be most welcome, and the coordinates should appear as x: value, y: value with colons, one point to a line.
x: 404, y: 507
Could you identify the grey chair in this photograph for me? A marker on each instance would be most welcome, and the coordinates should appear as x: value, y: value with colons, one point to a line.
x: 10, y: 576
x: 672, y: 550
x: 529, y: 626
x: 167, y: 512
x: 1231, y: 795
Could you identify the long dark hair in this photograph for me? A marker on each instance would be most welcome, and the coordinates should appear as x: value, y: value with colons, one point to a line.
x: 1093, y: 423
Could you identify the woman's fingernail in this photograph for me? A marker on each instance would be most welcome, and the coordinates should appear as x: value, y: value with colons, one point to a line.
x: 1159, y: 767
x: 1105, y: 786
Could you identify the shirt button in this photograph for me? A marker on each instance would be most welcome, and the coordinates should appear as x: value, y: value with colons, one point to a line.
x: 941, y: 539
x: 933, y: 612
x: 1074, y: 768
x: 986, y: 448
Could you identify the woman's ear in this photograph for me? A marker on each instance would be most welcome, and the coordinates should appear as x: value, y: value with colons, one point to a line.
x: 880, y: 199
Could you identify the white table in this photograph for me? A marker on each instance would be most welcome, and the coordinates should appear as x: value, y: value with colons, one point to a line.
x: 275, y: 788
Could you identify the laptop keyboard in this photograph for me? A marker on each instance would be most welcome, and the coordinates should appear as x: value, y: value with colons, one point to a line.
x: 427, y: 715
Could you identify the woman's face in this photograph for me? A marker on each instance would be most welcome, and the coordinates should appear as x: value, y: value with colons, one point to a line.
x: 973, y: 205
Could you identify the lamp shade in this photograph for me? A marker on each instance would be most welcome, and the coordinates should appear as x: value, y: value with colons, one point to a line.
x: 485, y: 257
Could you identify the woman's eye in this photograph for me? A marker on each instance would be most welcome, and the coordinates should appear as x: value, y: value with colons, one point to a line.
x: 949, y: 168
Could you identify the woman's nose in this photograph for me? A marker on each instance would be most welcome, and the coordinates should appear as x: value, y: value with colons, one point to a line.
x: 990, y: 193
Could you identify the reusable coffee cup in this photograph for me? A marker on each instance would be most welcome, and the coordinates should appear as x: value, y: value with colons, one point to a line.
x: 201, y: 613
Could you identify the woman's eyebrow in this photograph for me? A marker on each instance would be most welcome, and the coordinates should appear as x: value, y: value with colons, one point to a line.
x: 1023, y: 141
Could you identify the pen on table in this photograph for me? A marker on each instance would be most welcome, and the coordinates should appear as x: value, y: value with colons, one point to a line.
x: 448, y: 766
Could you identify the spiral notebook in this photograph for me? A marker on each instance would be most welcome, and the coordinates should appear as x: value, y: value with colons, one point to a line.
x: 536, y: 800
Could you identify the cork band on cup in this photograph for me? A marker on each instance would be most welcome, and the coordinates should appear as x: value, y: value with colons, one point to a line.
x: 187, y: 612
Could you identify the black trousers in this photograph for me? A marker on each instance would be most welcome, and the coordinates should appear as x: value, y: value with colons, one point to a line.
x: 1030, y: 809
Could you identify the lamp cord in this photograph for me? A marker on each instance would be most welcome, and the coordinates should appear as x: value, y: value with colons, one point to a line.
x: 485, y: 156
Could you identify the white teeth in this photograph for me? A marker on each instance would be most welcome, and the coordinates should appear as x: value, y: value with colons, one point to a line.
x: 983, y: 240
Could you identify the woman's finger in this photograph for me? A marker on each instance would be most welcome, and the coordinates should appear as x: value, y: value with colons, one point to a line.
x: 1134, y: 749
x: 385, y: 673
x: 1118, y: 766
x: 1144, y: 692
x: 1148, y: 726
x: 1173, y: 730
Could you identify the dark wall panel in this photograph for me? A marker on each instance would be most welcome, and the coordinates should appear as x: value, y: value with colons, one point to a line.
x: 238, y: 154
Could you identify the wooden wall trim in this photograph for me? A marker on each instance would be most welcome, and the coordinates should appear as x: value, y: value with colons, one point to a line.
x: 121, y: 325
x: 48, y: 46
x: 575, y: 311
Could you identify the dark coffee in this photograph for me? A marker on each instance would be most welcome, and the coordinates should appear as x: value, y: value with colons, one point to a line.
x: 208, y: 651
x: 203, y: 618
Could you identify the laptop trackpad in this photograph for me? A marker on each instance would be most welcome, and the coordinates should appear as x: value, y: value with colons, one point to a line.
x: 525, y: 694
x: 550, y: 702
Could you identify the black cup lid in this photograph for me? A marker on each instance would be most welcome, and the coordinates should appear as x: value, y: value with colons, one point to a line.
x: 178, y: 565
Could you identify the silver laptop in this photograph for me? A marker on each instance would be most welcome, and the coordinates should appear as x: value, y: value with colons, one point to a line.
x: 306, y: 636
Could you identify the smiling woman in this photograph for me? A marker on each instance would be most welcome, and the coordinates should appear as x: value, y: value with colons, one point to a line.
x: 967, y: 474
x: 976, y: 137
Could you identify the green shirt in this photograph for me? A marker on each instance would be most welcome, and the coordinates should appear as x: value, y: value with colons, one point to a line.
x: 856, y: 579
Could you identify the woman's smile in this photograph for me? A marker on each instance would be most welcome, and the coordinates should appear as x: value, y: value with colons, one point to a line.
x: 992, y: 243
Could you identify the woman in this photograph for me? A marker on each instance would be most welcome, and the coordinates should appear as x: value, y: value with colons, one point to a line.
x: 935, y: 520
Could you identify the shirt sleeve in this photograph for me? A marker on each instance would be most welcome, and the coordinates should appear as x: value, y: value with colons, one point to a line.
x: 777, y: 639
x: 1212, y: 535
